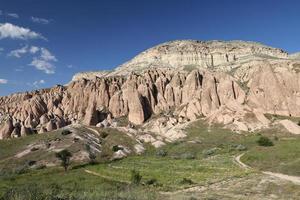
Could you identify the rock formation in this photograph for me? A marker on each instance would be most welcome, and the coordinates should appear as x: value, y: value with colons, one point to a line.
x: 233, y: 83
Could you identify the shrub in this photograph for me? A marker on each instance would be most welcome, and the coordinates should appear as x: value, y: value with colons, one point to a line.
x: 161, y: 153
x: 264, y: 141
x: 31, y: 162
x: 188, y: 156
x: 103, y: 135
x: 66, y: 132
x: 186, y: 181
x: 116, y: 148
x: 135, y: 177
x: 151, y: 181
x: 241, y: 147
x: 209, y: 152
x: 298, y: 123
x: 65, y: 157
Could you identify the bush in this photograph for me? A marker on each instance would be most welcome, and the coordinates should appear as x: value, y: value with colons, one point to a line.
x: 186, y: 181
x: 65, y: 157
x: 264, y: 141
x: 31, y: 162
x: 151, y: 181
x: 161, y: 153
x: 66, y: 132
x: 241, y: 147
x: 103, y: 135
x: 209, y: 152
x: 135, y: 177
x: 116, y: 148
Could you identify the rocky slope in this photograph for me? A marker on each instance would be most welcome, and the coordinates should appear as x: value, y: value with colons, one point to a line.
x: 234, y: 83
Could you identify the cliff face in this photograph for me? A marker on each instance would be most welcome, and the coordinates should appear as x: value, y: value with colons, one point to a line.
x: 228, y: 96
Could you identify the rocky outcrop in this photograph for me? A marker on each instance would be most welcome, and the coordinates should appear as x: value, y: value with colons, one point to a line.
x: 6, y: 129
x: 223, y: 88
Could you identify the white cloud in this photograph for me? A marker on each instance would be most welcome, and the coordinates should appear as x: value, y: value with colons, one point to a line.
x: 14, y: 15
x: 47, y: 56
x: 3, y: 81
x: 43, y: 61
x: 38, y: 83
x: 26, y: 49
x: 34, y: 49
x: 43, y: 65
x: 40, y: 20
x: 19, y: 52
x: 8, y: 30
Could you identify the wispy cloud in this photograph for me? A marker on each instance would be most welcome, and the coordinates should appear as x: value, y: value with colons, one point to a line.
x: 14, y: 15
x: 40, y: 20
x: 24, y: 50
x: 8, y: 30
x: 38, y: 83
x: 34, y: 49
x: 3, y: 81
x: 45, y: 61
x: 47, y: 55
x: 19, y: 52
x: 43, y: 65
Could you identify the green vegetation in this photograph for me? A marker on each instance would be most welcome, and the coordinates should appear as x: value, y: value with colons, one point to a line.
x: 202, y: 158
x: 135, y: 177
x: 283, y: 157
x: 264, y: 141
x: 65, y: 157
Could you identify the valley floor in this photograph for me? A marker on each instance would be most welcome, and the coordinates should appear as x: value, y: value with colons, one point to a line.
x: 210, y: 163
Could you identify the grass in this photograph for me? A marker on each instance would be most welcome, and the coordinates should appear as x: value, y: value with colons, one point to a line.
x: 185, y: 163
x: 170, y: 172
x: 77, y: 184
x: 283, y: 157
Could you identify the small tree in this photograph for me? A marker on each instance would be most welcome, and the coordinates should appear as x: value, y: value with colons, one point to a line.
x: 65, y: 157
x: 264, y: 141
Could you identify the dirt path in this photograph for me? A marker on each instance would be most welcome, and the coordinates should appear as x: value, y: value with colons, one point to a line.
x: 293, y: 179
x: 237, y: 159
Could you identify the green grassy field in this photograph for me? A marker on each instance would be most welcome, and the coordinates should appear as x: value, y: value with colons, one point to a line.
x: 283, y: 157
x: 203, y: 158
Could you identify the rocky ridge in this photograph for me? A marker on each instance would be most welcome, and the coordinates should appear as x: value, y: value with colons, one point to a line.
x: 233, y: 83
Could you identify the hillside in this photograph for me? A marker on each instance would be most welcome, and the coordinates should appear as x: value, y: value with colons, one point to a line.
x: 183, y: 119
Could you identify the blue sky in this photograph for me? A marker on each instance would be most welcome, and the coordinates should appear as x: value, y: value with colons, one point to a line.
x: 43, y: 43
